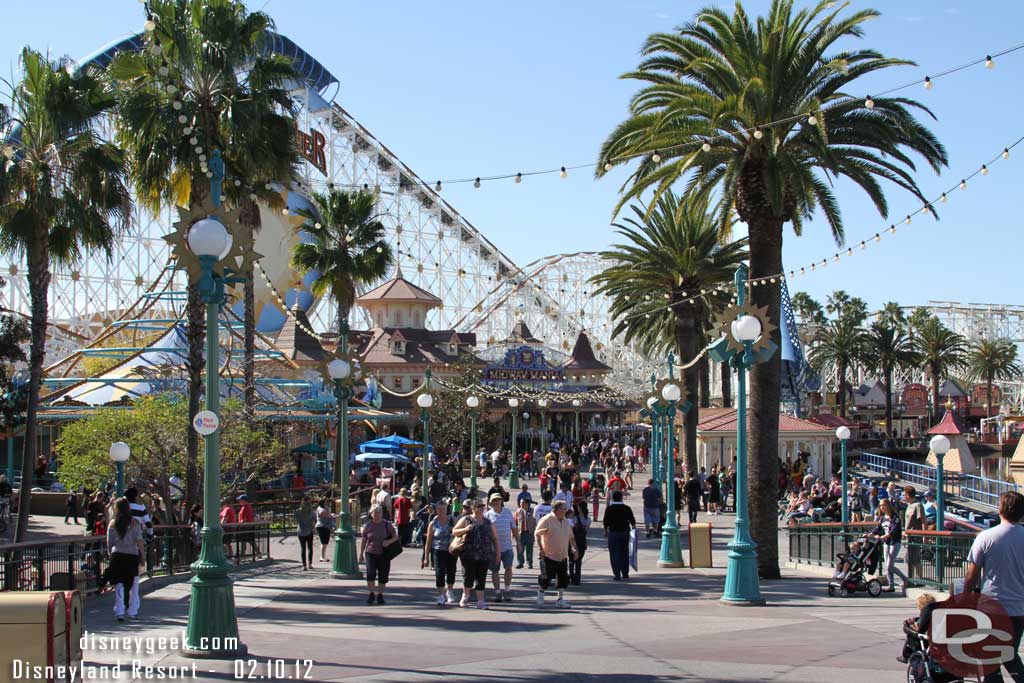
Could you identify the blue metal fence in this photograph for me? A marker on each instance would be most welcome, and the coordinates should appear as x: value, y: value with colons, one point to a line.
x: 970, y: 487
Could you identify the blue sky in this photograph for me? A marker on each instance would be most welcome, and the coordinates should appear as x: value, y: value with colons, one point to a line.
x: 463, y: 88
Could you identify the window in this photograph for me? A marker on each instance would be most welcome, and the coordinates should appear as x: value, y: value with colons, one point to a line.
x: 415, y: 382
x: 453, y: 349
x: 398, y: 381
x: 398, y: 347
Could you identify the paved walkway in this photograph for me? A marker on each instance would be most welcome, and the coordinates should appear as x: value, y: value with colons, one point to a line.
x: 663, y: 625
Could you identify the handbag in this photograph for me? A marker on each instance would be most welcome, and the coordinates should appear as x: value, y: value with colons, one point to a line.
x: 391, y: 551
x: 457, y: 545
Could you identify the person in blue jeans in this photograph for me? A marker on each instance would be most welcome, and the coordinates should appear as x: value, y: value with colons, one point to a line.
x: 618, y: 522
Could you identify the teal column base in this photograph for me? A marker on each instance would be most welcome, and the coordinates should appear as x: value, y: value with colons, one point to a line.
x: 212, y: 631
x: 742, y: 586
x: 513, y: 481
x: 346, y: 563
x: 671, y: 552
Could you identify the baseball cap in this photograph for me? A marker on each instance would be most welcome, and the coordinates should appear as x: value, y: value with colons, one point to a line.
x: 242, y: 497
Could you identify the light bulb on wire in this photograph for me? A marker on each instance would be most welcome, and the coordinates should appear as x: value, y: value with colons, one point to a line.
x: 927, y: 83
x: 907, y: 221
x: 943, y: 198
x: 656, y: 158
x: 812, y: 120
x: 149, y: 26
x: 519, y: 178
x: 758, y: 134
x: 563, y: 173
x: 706, y: 147
x: 437, y: 187
x: 963, y: 184
x: 607, y: 165
x: 476, y: 183
x: 1006, y: 153
x: 984, y: 169
x: 892, y: 229
x: 869, y: 103
x: 989, y: 62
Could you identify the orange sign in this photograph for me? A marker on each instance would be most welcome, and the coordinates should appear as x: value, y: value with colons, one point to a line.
x: 915, y: 397
x: 979, y: 395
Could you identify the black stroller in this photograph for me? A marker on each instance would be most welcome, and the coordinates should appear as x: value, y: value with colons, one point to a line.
x: 853, y: 581
x: 921, y: 668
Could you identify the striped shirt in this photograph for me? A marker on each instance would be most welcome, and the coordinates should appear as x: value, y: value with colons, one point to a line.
x: 140, y: 513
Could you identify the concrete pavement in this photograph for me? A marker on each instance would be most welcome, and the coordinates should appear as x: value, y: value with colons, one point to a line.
x: 662, y: 625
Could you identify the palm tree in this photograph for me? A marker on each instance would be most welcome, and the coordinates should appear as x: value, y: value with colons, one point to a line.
x: 746, y: 89
x: 673, y: 253
x: 992, y: 359
x: 892, y: 315
x: 347, y: 248
x: 62, y: 194
x: 941, y: 350
x: 840, y: 343
x: 809, y: 310
x: 204, y: 81
x: 888, y: 348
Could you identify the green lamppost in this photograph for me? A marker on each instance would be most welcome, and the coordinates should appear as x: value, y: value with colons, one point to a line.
x: 424, y: 400
x: 212, y: 626
x: 343, y: 372
x: 473, y: 403
x: 119, y: 453
x: 671, y: 394
x: 543, y: 405
x: 655, y: 456
x: 940, y: 446
x: 576, y: 405
x: 747, y: 342
x: 843, y: 434
x: 513, y: 475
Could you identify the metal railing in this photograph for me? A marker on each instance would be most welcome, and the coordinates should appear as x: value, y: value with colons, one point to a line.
x: 970, y: 487
x: 78, y: 563
x: 934, y: 558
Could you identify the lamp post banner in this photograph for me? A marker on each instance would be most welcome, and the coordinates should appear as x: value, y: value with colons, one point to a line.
x: 206, y: 422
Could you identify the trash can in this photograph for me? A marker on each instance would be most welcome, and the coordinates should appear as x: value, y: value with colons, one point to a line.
x: 33, y: 625
x: 700, y: 545
x: 75, y: 628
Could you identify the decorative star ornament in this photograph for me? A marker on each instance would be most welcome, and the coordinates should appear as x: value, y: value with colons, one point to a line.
x: 184, y: 259
x: 732, y: 313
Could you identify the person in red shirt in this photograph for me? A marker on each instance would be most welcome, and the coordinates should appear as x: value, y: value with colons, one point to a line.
x: 298, y: 481
x: 403, y: 516
x: 246, y: 538
x: 616, y: 483
x: 99, y: 527
x: 227, y: 516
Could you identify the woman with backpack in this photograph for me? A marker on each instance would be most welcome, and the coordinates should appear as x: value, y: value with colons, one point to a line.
x: 580, y: 523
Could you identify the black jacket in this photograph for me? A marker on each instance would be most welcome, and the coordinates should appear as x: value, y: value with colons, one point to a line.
x: 619, y: 517
x: 895, y: 530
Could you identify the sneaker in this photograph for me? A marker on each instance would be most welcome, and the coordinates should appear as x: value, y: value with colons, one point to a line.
x: 369, y: 600
x: 497, y: 597
x: 380, y: 598
x: 540, y: 598
x: 562, y: 603
x: 120, y: 618
x: 508, y: 595
x: 519, y: 566
x: 463, y: 602
x: 440, y: 600
x: 451, y: 598
x: 481, y: 604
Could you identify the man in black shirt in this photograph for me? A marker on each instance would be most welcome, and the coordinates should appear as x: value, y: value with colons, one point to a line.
x: 618, y: 521
x: 693, y: 492
x: 497, y: 488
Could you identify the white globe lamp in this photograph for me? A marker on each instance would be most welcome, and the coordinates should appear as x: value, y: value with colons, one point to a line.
x: 939, y: 444
x: 209, y: 237
x: 746, y: 328
x: 120, y: 451
x: 424, y: 401
x: 472, y: 402
x: 671, y: 392
x: 843, y: 433
x: 339, y: 369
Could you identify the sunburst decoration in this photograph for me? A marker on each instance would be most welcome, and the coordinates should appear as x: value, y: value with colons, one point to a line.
x: 684, y: 392
x: 240, y: 254
x: 354, y: 362
x: 732, y: 313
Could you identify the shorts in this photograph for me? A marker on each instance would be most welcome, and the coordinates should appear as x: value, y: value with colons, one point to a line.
x: 652, y: 516
x: 377, y: 567
x: 324, y: 533
x: 503, y: 558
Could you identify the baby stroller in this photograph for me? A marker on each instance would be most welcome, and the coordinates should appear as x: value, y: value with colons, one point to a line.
x: 852, y: 579
x: 921, y: 668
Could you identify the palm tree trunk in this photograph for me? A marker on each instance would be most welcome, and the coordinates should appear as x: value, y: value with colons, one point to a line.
x: 687, y: 340
x: 765, y: 397
x: 935, y: 394
x: 39, y: 277
x: 888, y: 402
x: 988, y: 394
x: 196, y: 333
x: 726, y: 372
x: 250, y: 218
x: 842, y: 390
x: 704, y: 368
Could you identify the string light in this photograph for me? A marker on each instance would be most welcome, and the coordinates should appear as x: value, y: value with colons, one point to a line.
x: 943, y: 198
x: 984, y: 169
x: 608, y: 166
x: 989, y: 62
x: 706, y: 147
x: 892, y: 231
x: 869, y: 103
x: 927, y: 83
x: 812, y: 120
x: 476, y: 183
x: 963, y: 184
x: 758, y: 134
x: 878, y: 238
x: 1006, y: 153
x: 518, y: 178
x: 656, y: 158
x: 149, y: 26
x: 437, y: 188
x: 563, y: 173
x: 863, y: 245
x: 925, y: 210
